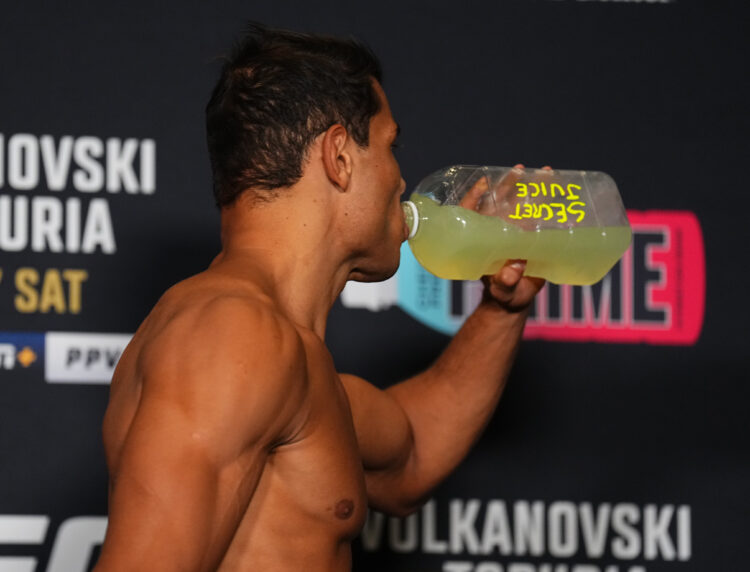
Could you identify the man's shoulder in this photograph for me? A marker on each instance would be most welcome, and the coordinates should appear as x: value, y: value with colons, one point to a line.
x: 230, y: 307
x: 220, y: 360
x: 200, y: 325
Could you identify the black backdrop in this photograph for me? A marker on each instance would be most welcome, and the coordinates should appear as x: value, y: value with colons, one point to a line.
x: 621, y: 443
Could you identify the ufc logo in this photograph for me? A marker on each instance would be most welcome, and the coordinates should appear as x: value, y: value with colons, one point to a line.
x: 71, y: 552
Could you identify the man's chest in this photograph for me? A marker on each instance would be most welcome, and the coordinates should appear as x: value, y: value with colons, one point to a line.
x: 317, y: 478
x: 310, y: 501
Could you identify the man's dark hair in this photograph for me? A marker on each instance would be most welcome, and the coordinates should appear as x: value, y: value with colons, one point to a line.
x: 277, y: 92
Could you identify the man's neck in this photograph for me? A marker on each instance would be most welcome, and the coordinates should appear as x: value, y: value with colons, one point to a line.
x: 288, y: 249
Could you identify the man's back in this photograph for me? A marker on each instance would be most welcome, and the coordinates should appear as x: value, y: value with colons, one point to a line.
x: 215, y: 358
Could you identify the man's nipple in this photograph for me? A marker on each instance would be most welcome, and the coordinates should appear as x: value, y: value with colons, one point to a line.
x: 344, y: 509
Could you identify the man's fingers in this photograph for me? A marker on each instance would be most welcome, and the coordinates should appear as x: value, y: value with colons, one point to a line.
x: 538, y: 283
x: 511, y: 273
x: 506, y: 185
x: 508, y: 182
x: 471, y: 199
x: 510, y: 288
x: 503, y: 283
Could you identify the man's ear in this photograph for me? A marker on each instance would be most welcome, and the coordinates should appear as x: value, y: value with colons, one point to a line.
x: 337, y: 159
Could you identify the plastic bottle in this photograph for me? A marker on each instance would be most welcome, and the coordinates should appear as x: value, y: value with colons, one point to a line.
x: 467, y: 221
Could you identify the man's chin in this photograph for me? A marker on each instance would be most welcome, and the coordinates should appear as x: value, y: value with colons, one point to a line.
x: 375, y: 274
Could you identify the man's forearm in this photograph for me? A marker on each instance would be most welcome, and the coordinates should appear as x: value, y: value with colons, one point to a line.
x: 449, y: 405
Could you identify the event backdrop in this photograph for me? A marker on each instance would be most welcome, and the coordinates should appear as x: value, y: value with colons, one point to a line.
x: 621, y: 444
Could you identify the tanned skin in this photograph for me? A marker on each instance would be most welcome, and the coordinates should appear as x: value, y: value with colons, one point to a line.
x: 231, y: 440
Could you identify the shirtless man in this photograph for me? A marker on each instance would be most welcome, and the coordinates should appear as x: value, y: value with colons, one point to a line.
x: 231, y: 440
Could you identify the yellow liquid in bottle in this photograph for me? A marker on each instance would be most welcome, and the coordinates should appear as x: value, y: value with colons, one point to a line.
x: 458, y: 244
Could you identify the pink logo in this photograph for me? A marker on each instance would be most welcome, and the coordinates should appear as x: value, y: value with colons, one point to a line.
x: 655, y: 294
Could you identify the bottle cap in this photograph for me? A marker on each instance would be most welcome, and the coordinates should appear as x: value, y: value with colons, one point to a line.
x: 412, y: 217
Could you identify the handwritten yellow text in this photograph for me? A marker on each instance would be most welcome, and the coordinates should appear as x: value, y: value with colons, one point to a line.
x: 561, y: 212
x: 548, y: 211
x: 554, y: 190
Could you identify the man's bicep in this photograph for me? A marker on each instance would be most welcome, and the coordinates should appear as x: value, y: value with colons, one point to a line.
x: 383, y: 430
